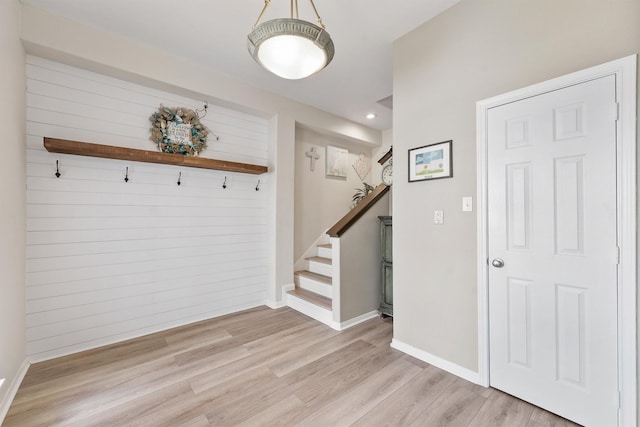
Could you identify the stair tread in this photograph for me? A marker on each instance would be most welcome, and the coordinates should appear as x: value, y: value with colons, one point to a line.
x: 320, y: 259
x: 315, y: 276
x: 326, y: 245
x: 312, y: 297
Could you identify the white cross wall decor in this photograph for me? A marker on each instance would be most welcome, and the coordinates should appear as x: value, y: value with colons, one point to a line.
x: 313, y: 156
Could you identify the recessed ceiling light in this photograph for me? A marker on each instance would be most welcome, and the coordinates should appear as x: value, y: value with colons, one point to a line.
x: 371, y: 116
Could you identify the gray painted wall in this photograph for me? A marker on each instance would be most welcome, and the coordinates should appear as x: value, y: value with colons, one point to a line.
x: 12, y: 214
x: 473, y: 51
x: 360, y: 267
x: 53, y: 37
x: 320, y: 201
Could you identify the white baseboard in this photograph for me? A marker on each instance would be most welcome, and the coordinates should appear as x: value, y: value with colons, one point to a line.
x: 13, y: 389
x: 287, y: 288
x: 283, y: 301
x: 436, y: 361
x: 275, y: 304
x: 357, y: 320
x: 315, y: 312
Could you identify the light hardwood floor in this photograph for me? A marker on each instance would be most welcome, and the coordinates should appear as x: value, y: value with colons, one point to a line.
x: 260, y: 367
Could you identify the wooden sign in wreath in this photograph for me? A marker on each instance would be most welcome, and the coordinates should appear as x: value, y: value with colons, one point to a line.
x: 178, y: 131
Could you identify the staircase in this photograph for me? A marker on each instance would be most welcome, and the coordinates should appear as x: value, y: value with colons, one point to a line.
x: 313, y: 291
x: 337, y: 279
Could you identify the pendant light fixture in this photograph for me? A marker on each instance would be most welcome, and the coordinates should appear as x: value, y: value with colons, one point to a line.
x: 290, y: 48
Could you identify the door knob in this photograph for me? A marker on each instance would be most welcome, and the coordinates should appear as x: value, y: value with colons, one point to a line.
x: 497, y: 263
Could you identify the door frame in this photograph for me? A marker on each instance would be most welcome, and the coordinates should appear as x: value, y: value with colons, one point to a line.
x: 625, y: 71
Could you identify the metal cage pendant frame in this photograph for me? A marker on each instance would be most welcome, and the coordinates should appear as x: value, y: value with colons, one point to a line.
x: 291, y: 48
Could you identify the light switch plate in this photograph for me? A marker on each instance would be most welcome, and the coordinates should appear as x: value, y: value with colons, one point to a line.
x: 467, y: 204
x: 438, y: 216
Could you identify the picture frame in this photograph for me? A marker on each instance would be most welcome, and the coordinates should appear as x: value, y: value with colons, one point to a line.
x: 337, y: 162
x: 429, y: 162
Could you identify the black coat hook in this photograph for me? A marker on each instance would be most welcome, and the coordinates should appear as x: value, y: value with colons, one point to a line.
x: 126, y: 175
x: 258, y: 186
x: 224, y: 184
x: 57, y: 170
x: 204, y: 110
x: 179, y: 177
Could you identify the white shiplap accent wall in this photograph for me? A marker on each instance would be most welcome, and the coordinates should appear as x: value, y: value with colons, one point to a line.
x: 109, y: 260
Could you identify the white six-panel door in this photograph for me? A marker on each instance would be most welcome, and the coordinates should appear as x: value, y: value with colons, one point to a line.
x: 553, y: 250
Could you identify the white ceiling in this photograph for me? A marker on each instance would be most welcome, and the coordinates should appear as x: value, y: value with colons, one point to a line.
x: 214, y: 32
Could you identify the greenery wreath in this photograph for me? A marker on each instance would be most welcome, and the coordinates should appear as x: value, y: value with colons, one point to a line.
x: 178, y: 131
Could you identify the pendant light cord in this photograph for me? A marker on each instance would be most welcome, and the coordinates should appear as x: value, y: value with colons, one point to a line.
x: 294, y: 8
x: 317, y: 14
x: 267, y: 3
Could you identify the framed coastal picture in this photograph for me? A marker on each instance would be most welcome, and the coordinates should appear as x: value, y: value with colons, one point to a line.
x: 429, y: 162
x: 337, y: 161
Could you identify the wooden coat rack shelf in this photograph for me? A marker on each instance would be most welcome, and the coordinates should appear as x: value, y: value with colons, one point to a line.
x: 64, y: 146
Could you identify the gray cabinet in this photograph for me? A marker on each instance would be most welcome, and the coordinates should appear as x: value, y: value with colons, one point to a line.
x: 386, y: 239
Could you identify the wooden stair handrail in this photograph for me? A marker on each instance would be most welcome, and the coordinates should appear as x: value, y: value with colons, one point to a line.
x: 64, y: 146
x: 386, y: 156
x: 354, y: 214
